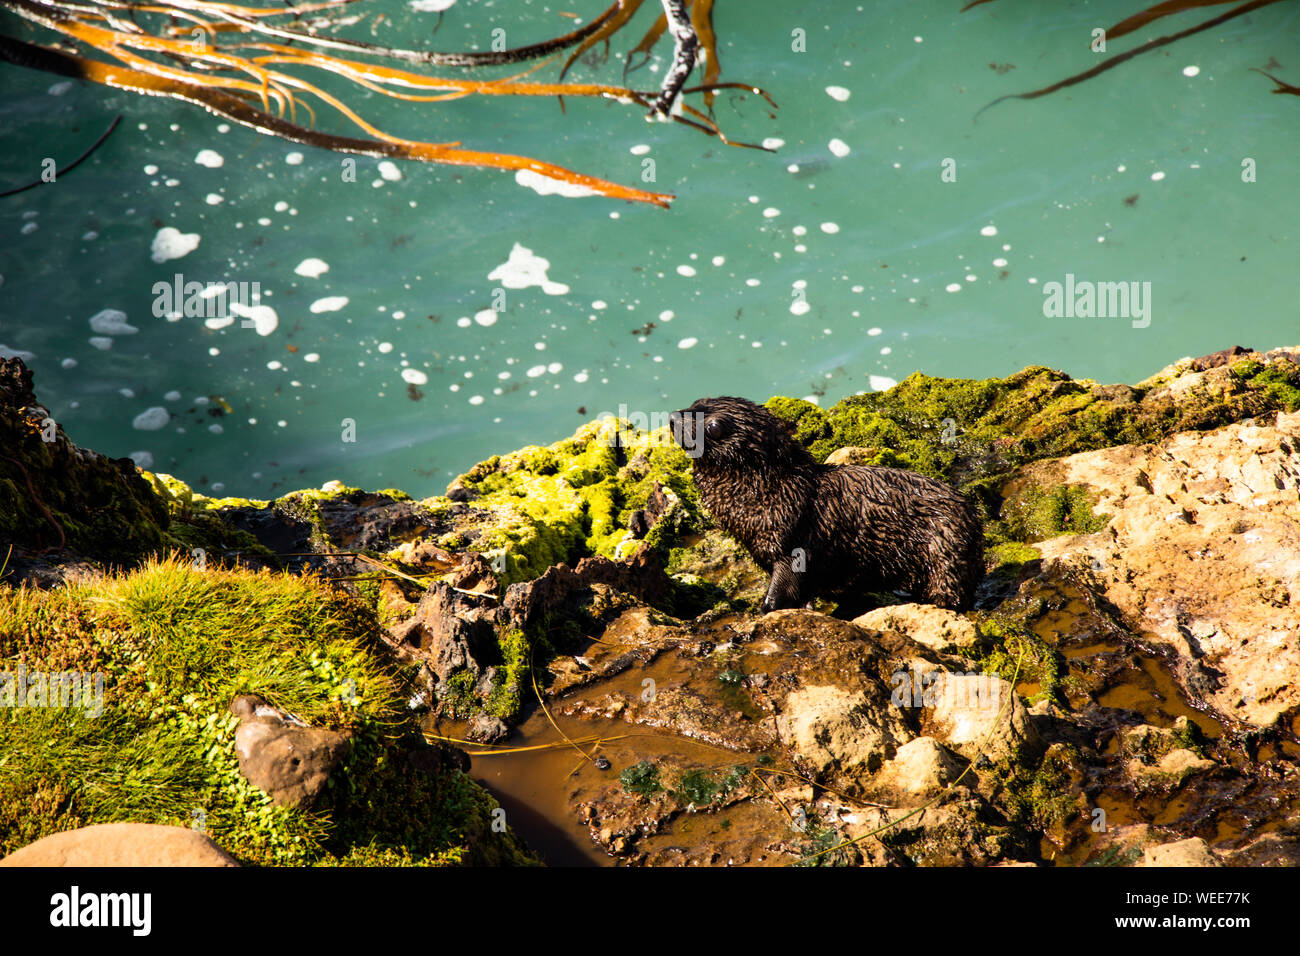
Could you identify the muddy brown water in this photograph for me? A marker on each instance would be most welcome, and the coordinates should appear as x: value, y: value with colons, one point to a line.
x: 540, y: 788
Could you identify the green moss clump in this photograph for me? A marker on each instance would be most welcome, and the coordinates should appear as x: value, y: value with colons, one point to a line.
x: 543, y: 506
x: 1036, y: 514
x: 642, y: 779
x: 506, y: 699
x: 171, y: 646
x: 1280, y: 382
x: 1003, y: 643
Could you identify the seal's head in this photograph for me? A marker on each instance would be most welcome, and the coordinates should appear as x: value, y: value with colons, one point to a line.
x: 730, y: 432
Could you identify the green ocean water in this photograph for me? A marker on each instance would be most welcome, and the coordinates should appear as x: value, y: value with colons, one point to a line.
x: 814, y: 270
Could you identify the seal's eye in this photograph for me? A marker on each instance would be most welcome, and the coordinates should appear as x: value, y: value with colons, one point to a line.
x: 714, y: 428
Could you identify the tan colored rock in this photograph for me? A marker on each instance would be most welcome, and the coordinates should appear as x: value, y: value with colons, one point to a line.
x: 122, y: 844
x: 937, y: 628
x: 921, y: 767
x: 1202, y: 553
x: 1193, y: 852
x: 835, y: 730
x: 978, y: 714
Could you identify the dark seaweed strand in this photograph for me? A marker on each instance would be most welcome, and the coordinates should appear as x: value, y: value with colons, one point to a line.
x: 1122, y: 57
x: 23, y: 54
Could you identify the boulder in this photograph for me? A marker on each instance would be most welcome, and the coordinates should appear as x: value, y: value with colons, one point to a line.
x: 283, y: 756
x: 1193, y: 852
x: 122, y: 844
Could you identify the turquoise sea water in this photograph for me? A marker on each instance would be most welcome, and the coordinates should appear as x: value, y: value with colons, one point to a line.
x: 838, y: 263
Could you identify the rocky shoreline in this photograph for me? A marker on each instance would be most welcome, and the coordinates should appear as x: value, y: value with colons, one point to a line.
x: 1124, y: 692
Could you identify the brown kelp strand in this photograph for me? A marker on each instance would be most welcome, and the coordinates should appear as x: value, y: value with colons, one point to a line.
x: 246, y: 64
x: 1136, y: 22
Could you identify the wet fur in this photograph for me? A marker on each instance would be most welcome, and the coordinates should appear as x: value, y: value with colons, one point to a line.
x: 860, y: 528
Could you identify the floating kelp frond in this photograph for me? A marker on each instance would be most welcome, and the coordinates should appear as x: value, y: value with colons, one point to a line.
x: 1282, y: 87
x: 1136, y: 22
x: 238, y: 62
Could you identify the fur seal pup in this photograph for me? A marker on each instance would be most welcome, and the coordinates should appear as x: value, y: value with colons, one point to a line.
x: 828, y: 529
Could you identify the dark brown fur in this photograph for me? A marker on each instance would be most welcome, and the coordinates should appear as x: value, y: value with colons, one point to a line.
x: 840, y: 530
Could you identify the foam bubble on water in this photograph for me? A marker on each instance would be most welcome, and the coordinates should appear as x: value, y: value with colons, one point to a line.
x: 873, y: 331
x: 214, y: 199
x: 486, y: 317
x: 111, y: 322
x: 274, y: 365
x: 210, y: 158
x: 389, y: 171
x: 151, y: 419
x: 476, y: 399
x: 311, y: 357
x: 830, y: 228
x: 581, y: 377
x: 999, y: 263
x: 171, y: 243
x: 952, y: 287
x: 799, y: 307
x: 838, y: 93
x: 686, y: 271
x: 600, y: 304
x: 1157, y: 176
x: 101, y: 342
x: 69, y: 363
x: 330, y: 303
x: 989, y: 231
x: 688, y: 343
x: 839, y: 148
x: 555, y: 368
x: 263, y: 317
x: 385, y: 347
x: 666, y: 315
x: 546, y: 186
x: 536, y: 370
x: 523, y: 269
x: 414, y: 376
x: 771, y: 212
x: 880, y: 383
x: 142, y: 459
x: 773, y: 142
x: 294, y: 158
x: 7, y: 352
x: 1191, y: 70
x: 312, y: 268
x: 172, y: 396
x: 640, y: 149
x: 431, y: 6
x: 59, y: 88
